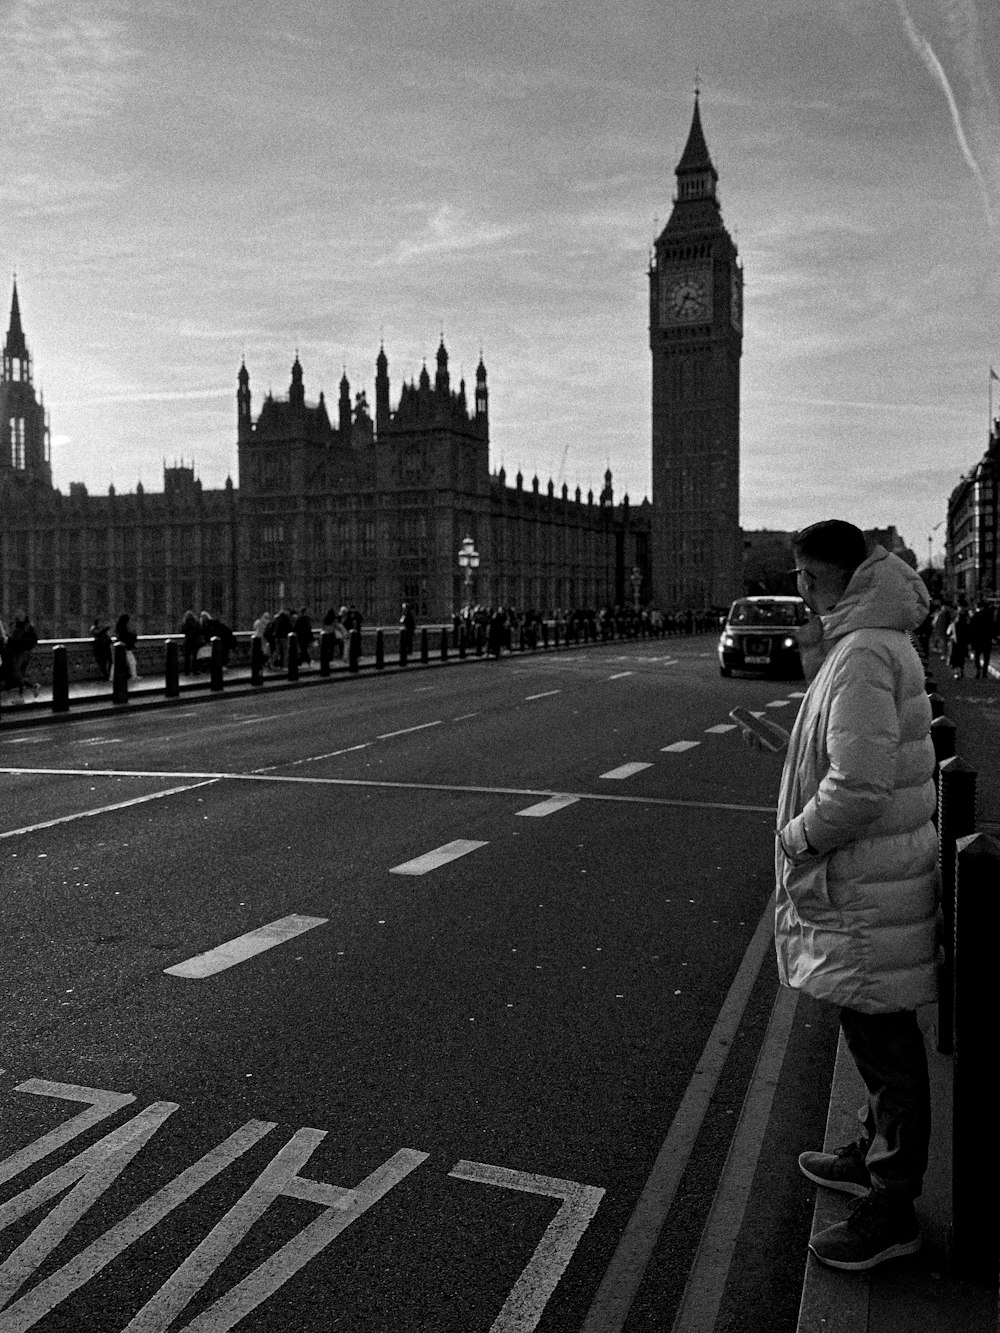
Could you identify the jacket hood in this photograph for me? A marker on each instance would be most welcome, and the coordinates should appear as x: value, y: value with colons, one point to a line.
x: 884, y: 593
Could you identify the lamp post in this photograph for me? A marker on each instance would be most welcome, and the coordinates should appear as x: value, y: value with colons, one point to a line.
x: 468, y: 559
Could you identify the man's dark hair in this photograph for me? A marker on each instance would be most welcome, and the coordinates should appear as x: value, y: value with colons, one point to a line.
x: 834, y: 542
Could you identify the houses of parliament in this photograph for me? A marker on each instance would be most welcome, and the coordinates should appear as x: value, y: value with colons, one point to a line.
x: 337, y: 505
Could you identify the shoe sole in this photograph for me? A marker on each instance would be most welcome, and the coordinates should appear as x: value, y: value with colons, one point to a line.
x: 841, y: 1186
x: 861, y: 1265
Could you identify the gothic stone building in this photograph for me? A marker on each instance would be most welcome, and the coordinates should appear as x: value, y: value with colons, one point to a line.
x: 370, y: 512
x: 696, y: 340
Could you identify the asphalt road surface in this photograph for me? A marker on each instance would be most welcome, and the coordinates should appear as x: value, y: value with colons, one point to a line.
x: 443, y: 1000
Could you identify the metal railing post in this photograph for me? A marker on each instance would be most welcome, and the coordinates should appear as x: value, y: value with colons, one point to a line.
x: 444, y: 645
x: 119, y: 675
x: 424, y: 648
x: 171, y: 670
x: 354, y: 651
x: 215, y: 667
x: 956, y: 819
x: 379, y: 651
x: 325, y: 652
x: 60, y: 680
x: 256, y: 661
x: 975, y: 1166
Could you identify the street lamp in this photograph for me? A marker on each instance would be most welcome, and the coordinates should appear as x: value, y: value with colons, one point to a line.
x: 635, y: 578
x: 468, y: 559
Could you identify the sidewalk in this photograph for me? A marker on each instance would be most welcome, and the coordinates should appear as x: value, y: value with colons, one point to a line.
x: 913, y: 1295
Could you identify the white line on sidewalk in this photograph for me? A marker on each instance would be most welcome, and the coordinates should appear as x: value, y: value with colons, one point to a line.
x: 624, y: 1274
x: 678, y: 747
x: 720, y: 728
x: 388, y: 735
x: 103, y: 809
x: 544, y: 695
x: 245, y: 946
x: 548, y: 807
x: 625, y: 771
x: 451, y: 851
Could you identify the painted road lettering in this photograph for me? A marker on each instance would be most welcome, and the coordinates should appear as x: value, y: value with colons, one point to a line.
x: 90, y: 1173
x: 523, y: 1307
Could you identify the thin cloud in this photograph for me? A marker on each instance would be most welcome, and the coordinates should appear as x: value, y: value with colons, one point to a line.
x: 111, y: 400
x: 926, y: 53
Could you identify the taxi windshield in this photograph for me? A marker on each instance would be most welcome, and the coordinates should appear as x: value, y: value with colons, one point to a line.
x: 767, y: 613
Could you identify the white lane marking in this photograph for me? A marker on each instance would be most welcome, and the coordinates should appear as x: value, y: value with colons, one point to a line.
x: 796, y: 694
x: 720, y: 728
x: 102, y: 809
x: 544, y: 695
x: 678, y: 747
x: 778, y: 703
x: 100, y: 740
x: 388, y: 735
x: 101, y: 1104
x: 261, y: 775
x: 315, y: 758
x: 548, y: 807
x: 451, y: 851
x: 620, y: 675
x: 625, y: 771
x: 462, y: 717
x: 27, y: 740
x: 706, y: 1280
x: 524, y: 1306
x: 279, y: 1178
x: 245, y: 946
x: 624, y: 1274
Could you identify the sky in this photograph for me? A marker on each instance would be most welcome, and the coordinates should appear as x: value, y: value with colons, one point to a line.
x: 183, y: 185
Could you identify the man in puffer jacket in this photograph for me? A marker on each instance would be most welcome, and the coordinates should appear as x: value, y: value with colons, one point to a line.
x: 856, y: 869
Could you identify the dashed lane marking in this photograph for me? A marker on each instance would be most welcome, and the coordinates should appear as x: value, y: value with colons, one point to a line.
x: 778, y: 703
x: 101, y: 809
x: 625, y: 771
x: 678, y: 747
x: 462, y: 717
x: 720, y: 728
x: 620, y: 675
x: 548, y: 807
x: 468, y: 788
x: 451, y: 851
x: 797, y: 694
x: 544, y: 695
x: 245, y: 946
x: 388, y: 735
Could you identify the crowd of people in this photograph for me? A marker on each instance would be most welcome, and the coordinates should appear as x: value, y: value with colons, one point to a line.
x: 961, y: 632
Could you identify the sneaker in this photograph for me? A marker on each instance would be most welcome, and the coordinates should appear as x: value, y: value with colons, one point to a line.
x: 843, y: 1170
x: 875, y: 1230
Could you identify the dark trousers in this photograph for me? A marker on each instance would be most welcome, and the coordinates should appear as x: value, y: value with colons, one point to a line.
x: 889, y: 1052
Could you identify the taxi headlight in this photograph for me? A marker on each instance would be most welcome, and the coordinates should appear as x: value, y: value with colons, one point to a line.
x: 788, y: 643
x: 728, y: 641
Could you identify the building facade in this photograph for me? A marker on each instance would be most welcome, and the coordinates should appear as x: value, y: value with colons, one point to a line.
x: 696, y: 341
x: 970, y: 553
x: 327, y: 512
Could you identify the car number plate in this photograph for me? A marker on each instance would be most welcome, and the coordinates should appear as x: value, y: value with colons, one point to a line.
x: 757, y: 661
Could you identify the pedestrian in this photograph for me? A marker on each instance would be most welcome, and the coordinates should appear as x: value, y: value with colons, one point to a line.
x: 282, y: 625
x: 102, y: 649
x: 856, y: 870
x: 982, y: 627
x: 20, y: 645
x: 214, y: 628
x: 303, y: 631
x: 958, y: 637
x: 191, y: 630
x: 939, y: 634
x: 407, y: 627
x: 126, y: 635
x: 260, y: 632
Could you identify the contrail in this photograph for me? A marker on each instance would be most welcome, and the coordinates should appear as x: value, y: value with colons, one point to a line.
x: 925, y: 51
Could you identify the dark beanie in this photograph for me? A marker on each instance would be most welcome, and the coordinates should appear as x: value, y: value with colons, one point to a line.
x: 834, y: 542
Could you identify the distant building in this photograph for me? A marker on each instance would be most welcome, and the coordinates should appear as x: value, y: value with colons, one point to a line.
x: 970, y: 551
x: 768, y: 557
x: 696, y: 340
x: 364, y: 511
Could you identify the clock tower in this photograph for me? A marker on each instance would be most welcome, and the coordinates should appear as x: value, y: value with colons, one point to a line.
x: 696, y: 339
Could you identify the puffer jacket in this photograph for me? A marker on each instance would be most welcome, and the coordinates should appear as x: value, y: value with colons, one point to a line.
x: 855, y: 923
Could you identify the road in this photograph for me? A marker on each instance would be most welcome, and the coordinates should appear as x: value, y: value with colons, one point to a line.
x: 495, y: 1040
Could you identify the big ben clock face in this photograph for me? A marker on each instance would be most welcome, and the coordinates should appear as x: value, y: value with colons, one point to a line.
x: 686, y: 296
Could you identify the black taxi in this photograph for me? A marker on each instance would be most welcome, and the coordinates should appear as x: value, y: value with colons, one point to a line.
x: 760, y: 635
